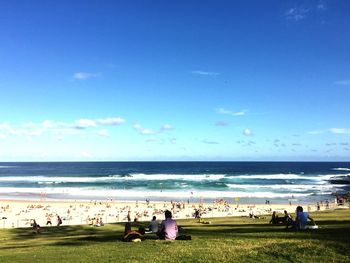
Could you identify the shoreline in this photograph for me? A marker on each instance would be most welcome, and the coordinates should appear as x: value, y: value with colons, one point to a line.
x: 19, y: 213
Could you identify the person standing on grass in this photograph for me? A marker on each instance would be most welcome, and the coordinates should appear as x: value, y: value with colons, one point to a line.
x: 59, y: 220
x: 168, y: 228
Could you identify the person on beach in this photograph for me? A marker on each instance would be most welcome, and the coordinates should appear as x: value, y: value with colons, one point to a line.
x: 153, y: 226
x: 168, y: 228
x: 48, y: 220
x: 59, y: 220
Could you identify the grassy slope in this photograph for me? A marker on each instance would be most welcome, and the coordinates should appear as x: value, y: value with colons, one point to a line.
x: 225, y: 240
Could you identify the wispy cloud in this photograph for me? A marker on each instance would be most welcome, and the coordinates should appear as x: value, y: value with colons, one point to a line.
x: 246, y: 143
x: 88, y: 123
x: 166, y: 127
x: 296, y: 13
x: 221, y: 123
x: 86, y: 75
x: 204, y: 73
x: 321, y: 5
x: 144, y: 131
x: 209, y: 142
x: 344, y: 82
x: 232, y: 113
x: 331, y: 130
x: 339, y: 130
x: 59, y: 128
x: 316, y: 132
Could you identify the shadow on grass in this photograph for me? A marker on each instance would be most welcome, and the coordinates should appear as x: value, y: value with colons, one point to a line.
x: 336, y: 231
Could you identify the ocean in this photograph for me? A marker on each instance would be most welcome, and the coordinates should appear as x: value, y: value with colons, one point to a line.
x: 234, y: 181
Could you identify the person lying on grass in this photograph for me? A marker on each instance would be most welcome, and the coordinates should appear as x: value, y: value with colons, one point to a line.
x: 132, y: 235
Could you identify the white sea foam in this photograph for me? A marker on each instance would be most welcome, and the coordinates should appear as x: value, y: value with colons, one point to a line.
x: 160, y: 177
x: 139, y: 176
x: 286, y: 176
x: 341, y: 169
x: 6, y: 166
x: 55, y: 179
x: 109, y: 193
x: 286, y: 186
x: 187, y: 177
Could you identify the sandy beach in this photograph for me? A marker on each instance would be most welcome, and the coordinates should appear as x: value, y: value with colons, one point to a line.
x: 18, y: 213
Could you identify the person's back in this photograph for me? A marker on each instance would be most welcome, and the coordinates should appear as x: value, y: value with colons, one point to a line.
x: 302, y: 219
x: 153, y: 226
x: 169, y: 227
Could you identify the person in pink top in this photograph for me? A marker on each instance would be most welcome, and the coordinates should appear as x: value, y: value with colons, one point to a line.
x: 168, y: 228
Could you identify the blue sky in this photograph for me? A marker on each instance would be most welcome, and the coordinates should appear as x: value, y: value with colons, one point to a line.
x: 174, y: 80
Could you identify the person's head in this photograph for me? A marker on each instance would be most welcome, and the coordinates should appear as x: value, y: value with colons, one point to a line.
x: 274, y: 212
x: 285, y: 212
x: 154, y: 218
x: 167, y: 214
x: 300, y: 209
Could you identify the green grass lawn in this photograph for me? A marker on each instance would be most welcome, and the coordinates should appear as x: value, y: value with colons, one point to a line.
x: 225, y: 240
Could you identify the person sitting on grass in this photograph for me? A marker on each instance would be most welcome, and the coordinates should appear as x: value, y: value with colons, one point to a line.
x: 287, y: 218
x: 153, y: 226
x: 168, y: 228
x: 300, y: 220
x: 274, y: 218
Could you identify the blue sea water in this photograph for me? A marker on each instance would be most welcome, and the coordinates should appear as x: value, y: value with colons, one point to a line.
x: 258, y: 181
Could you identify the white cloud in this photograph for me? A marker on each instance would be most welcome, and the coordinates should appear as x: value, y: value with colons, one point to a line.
x: 344, y: 82
x: 205, y: 73
x: 296, y: 13
x: 247, y: 132
x: 166, y: 127
x: 86, y: 75
x: 5, y: 126
x: 229, y: 112
x: 339, y: 130
x: 57, y: 128
x: 110, y: 121
x: 85, y: 123
x: 142, y: 130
